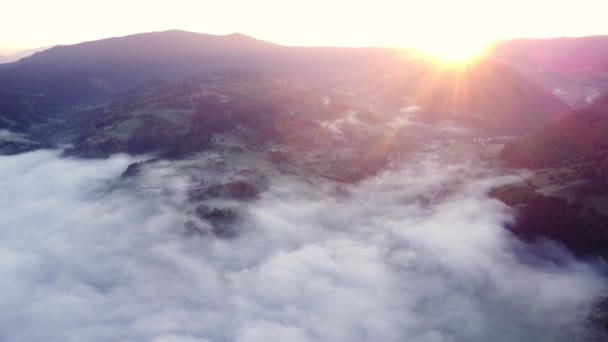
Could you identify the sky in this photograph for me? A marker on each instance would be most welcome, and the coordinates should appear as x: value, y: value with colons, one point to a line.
x: 36, y: 23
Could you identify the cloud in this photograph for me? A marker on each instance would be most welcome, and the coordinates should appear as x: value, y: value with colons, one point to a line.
x: 415, y: 254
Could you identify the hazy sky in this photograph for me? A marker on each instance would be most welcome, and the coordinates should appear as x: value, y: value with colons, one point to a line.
x: 35, y: 23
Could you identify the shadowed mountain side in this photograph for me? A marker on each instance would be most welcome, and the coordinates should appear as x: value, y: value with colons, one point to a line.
x: 20, y: 112
x: 600, y: 104
x: 237, y: 112
x: 574, y: 137
x: 564, y: 199
x: 150, y: 46
x: 182, y: 117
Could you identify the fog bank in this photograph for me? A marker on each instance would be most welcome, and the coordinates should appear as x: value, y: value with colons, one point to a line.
x: 414, y: 254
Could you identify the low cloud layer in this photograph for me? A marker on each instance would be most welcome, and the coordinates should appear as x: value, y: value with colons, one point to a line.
x: 415, y: 254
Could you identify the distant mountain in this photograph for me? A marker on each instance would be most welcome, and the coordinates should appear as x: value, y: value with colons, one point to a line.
x: 488, y: 95
x: 90, y: 71
x: 561, y: 55
x: 161, y: 55
x: 93, y: 70
x: 576, y: 69
x: 15, y: 56
x: 175, y: 54
x: 152, y: 46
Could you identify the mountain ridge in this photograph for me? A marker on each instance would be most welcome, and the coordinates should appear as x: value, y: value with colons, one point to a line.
x: 118, y: 47
x: 80, y: 75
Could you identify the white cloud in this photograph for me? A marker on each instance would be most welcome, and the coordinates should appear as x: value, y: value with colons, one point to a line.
x: 417, y: 254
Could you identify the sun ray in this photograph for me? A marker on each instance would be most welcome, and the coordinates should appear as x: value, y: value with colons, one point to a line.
x: 448, y: 50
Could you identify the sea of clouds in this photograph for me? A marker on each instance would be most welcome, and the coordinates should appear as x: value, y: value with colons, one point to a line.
x: 418, y: 253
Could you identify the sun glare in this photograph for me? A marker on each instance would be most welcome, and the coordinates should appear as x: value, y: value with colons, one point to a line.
x: 453, y: 51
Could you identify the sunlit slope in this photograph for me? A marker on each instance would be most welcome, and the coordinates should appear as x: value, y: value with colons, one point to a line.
x: 485, y: 94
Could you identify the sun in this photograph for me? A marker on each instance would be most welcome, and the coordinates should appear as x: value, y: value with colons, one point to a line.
x: 453, y: 51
